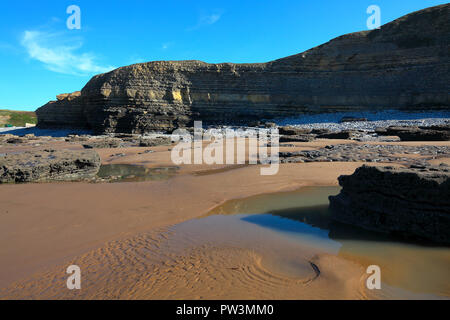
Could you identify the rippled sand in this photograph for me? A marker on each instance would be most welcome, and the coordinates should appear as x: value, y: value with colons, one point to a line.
x: 151, y: 266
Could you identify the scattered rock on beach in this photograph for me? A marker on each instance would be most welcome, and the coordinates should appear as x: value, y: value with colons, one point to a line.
x: 153, y: 142
x: 292, y: 131
x: 15, y: 140
x: 435, y: 133
x: 297, y: 138
x: 345, y: 134
x: 102, y: 143
x: 352, y: 119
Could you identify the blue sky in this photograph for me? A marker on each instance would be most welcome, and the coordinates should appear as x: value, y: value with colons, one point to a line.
x: 40, y: 57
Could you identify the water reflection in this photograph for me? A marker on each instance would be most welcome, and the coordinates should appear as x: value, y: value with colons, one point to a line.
x: 303, y: 216
x: 320, y: 217
x: 135, y: 173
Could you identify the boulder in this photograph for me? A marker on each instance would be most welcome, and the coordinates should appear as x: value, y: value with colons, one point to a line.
x: 16, y: 140
x: 292, y: 131
x: 411, y: 202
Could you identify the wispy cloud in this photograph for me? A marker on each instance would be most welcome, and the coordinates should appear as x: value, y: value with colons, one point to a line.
x: 211, y: 19
x: 206, y: 20
x: 59, y: 55
x: 167, y: 45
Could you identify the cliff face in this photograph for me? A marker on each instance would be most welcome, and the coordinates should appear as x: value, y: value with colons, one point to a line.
x: 403, y: 65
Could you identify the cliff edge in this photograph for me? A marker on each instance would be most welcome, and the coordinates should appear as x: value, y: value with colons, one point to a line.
x: 403, y: 65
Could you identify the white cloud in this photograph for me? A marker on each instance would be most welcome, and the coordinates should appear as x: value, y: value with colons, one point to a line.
x: 206, y: 20
x: 59, y: 56
x: 211, y: 19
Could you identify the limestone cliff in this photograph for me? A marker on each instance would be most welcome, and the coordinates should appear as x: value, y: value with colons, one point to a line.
x: 403, y: 65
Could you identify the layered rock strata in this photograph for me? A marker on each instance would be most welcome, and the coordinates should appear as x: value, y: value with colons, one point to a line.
x: 403, y: 65
x: 409, y: 202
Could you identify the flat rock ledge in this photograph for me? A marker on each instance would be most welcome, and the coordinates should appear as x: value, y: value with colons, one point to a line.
x: 412, y: 202
x: 49, y: 165
x: 351, y: 152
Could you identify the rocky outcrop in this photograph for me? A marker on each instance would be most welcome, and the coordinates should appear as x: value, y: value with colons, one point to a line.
x: 104, y: 143
x: 352, y: 119
x: 66, y: 112
x: 384, y: 153
x: 297, y: 138
x: 292, y: 131
x: 410, y: 202
x: 48, y: 165
x: 435, y: 133
x: 403, y: 65
x: 344, y: 134
x: 153, y: 142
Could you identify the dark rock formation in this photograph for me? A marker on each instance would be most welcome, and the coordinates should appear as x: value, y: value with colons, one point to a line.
x: 48, y: 165
x: 320, y: 131
x: 410, y: 202
x: 352, y: 119
x: 292, y: 131
x: 435, y: 133
x: 102, y: 143
x: 15, y: 140
x: 403, y: 65
x: 297, y: 138
x: 153, y: 142
x: 344, y: 134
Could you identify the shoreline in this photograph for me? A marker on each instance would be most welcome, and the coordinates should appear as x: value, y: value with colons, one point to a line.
x: 331, y: 121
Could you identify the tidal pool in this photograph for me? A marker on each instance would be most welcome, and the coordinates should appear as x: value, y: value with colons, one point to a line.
x: 135, y: 173
x: 283, y: 224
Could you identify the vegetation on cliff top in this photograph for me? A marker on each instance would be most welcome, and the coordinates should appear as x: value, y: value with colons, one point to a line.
x: 17, y: 118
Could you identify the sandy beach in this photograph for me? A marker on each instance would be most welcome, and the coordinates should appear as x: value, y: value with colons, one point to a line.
x: 120, y: 235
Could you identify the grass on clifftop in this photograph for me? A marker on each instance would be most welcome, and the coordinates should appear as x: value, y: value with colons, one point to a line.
x: 17, y: 118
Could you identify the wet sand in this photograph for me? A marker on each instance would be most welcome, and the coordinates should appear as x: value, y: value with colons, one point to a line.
x: 114, y: 232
